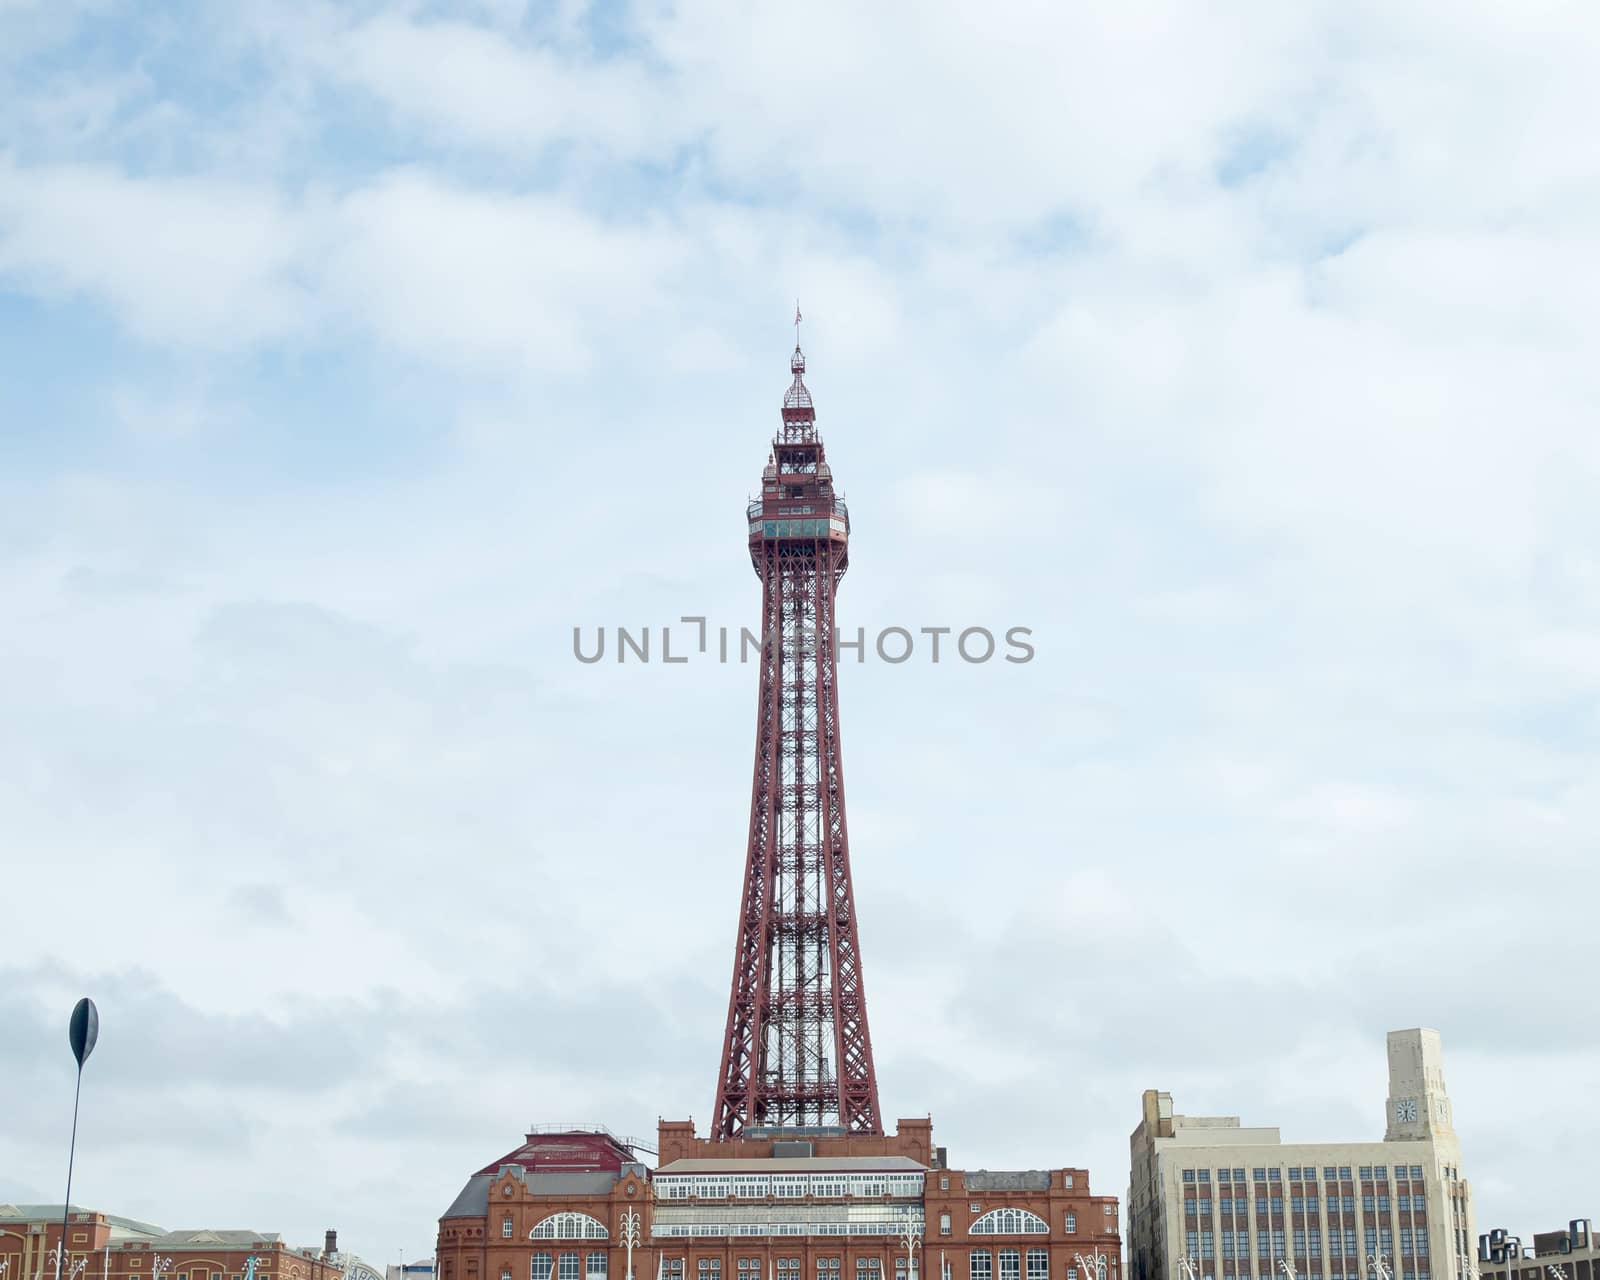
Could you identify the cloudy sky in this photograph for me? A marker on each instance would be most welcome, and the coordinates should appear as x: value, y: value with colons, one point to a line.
x: 356, y: 353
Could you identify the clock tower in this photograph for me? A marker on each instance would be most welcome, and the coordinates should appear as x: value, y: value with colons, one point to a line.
x: 1418, y: 1105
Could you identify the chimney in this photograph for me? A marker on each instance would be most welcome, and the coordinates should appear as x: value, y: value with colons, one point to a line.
x: 330, y: 1243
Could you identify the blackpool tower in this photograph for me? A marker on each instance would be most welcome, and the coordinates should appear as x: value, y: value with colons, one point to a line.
x: 797, y: 1052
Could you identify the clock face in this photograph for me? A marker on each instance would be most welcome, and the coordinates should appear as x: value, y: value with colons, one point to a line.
x: 1405, y: 1110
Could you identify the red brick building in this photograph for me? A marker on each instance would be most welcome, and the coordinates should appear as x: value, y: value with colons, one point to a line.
x: 784, y: 1205
x: 102, y: 1246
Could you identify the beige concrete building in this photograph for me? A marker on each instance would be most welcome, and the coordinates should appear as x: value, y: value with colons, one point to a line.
x: 1238, y: 1202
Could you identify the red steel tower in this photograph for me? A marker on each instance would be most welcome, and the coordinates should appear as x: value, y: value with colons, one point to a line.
x: 797, y: 1051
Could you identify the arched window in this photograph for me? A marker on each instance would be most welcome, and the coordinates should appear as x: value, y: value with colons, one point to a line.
x: 569, y: 1226
x: 1009, y: 1222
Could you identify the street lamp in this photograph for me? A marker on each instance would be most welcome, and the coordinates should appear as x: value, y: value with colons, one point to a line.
x: 158, y: 1264
x: 1185, y: 1265
x: 1287, y: 1267
x: 1555, y: 1272
x: 1513, y: 1247
x: 82, y: 1032
x: 1099, y: 1260
x: 1379, y: 1264
x: 911, y: 1241
x: 630, y: 1237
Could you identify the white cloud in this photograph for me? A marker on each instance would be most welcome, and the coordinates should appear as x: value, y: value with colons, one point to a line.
x: 1242, y: 356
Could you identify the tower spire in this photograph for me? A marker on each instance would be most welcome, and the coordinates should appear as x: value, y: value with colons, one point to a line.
x: 797, y: 1051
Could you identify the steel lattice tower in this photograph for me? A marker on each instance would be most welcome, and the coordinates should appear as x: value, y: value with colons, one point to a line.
x: 797, y: 1051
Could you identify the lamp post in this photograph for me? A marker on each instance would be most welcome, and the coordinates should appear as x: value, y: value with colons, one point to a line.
x: 1185, y: 1265
x: 1378, y: 1263
x: 1555, y: 1272
x: 82, y: 1032
x: 911, y: 1241
x: 1099, y: 1271
x: 630, y: 1236
x: 1287, y: 1267
x: 1513, y: 1246
x: 159, y: 1264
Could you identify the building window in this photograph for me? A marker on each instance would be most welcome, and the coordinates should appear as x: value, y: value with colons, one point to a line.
x: 754, y: 1270
x: 944, y: 1224
x: 1205, y: 1207
x: 569, y: 1226
x: 867, y: 1268
x: 1204, y: 1175
x: 1316, y: 1241
x: 1208, y: 1245
x: 1260, y: 1175
x: 710, y: 1268
x: 1066, y: 1181
x: 1299, y: 1242
x: 944, y: 1182
x: 1416, y: 1172
x: 980, y: 1265
x: 567, y: 1266
x: 1188, y: 1175
x: 1010, y: 1264
x: 1191, y: 1243
x: 505, y: 1273
x: 1070, y: 1226
x: 595, y: 1266
x: 1038, y: 1264
x: 1227, y: 1244
x: 827, y: 1269
x: 506, y: 1227
x: 542, y: 1267
x: 1010, y: 1222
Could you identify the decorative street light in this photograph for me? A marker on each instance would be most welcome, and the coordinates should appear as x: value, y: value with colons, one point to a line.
x: 1513, y: 1246
x: 82, y: 1032
x: 159, y: 1264
x: 1379, y: 1265
x: 1555, y: 1272
x: 1287, y: 1267
x: 1099, y: 1260
x: 1187, y: 1266
x: 630, y: 1236
x: 911, y: 1241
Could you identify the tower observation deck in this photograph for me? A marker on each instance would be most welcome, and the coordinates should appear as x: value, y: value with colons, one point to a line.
x: 797, y: 1052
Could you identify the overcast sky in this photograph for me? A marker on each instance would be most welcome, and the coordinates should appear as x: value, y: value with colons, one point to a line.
x: 354, y: 354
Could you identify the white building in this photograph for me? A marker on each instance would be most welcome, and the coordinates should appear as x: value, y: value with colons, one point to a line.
x: 1237, y: 1202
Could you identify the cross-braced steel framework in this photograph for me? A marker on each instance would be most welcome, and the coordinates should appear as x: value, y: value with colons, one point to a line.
x: 797, y: 1050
